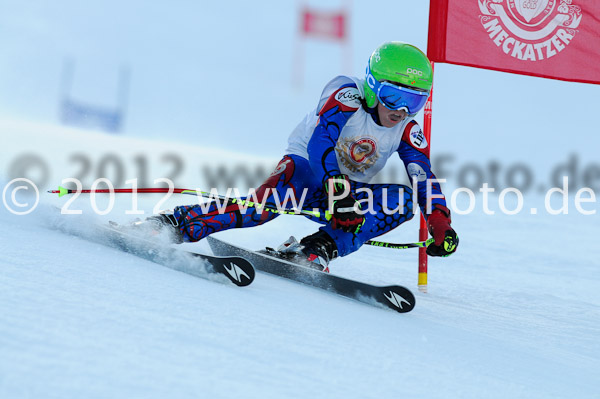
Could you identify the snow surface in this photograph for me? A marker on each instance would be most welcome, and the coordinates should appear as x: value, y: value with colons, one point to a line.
x: 515, y: 313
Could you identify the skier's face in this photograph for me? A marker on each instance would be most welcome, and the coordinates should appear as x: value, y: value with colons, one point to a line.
x: 389, y: 118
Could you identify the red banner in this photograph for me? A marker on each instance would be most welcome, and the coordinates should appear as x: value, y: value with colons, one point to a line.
x: 557, y: 39
x: 328, y: 25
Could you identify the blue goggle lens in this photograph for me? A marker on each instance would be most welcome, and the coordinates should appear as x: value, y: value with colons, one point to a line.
x: 395, y: 98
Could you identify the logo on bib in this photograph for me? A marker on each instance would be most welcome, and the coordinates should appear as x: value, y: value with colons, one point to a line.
x: 530, y: 30
x: 357, y: 154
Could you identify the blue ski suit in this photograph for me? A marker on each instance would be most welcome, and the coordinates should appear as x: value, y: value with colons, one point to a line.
x: 339, y: 143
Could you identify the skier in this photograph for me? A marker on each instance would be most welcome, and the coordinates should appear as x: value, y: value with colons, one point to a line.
x: 333, y: 154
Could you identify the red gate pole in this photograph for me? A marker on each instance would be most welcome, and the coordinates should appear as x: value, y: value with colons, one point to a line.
x: 423, y: 233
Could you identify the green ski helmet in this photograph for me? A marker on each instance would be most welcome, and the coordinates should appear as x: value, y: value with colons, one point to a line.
x: 401, y: 63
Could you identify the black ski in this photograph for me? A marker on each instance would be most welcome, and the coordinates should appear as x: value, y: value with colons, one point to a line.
x: 238, y: 270
x: 394, y: 297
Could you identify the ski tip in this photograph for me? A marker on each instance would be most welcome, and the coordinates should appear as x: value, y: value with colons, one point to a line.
x: 399, y: 298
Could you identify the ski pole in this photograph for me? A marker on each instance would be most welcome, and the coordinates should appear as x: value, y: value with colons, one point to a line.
x: 63, y: 191
x: 418, y: 244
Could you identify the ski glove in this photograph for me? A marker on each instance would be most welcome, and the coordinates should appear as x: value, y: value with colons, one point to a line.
x: 344, y: 214
x: 446, y: 240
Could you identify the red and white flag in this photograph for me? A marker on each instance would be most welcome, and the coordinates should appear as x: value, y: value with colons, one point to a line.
x: 558, y: 39
x: 327, y: 25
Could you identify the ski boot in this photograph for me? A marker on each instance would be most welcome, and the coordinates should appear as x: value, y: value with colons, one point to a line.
x: 314, y: 251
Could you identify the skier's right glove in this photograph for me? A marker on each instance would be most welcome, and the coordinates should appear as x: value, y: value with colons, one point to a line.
x: 345, y: 215
x: 446, y: 240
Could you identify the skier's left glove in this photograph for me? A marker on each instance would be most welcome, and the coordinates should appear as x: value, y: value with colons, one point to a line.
x: 446, y: 240
x: 346, y: 215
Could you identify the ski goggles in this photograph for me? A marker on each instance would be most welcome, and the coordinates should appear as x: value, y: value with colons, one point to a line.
x: 396, y: 97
